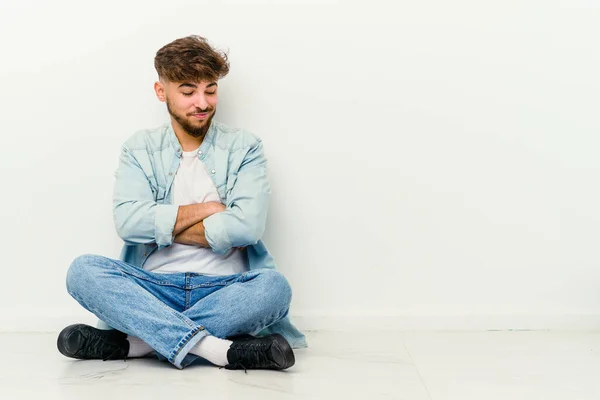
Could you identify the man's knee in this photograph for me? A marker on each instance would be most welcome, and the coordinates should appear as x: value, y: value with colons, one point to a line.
x: 276, y: 287
x: 80, y: 271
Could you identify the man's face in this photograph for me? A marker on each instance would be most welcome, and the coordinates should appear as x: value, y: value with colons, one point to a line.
x: 191, y: 104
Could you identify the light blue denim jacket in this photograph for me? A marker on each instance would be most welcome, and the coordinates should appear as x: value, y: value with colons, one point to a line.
x: 144, y: 215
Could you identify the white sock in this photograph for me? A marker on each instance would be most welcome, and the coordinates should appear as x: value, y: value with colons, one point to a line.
x: 137, y: 347
x: 213, y: 349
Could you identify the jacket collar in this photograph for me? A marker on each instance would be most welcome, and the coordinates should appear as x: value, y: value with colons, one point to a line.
x: 208, y: 138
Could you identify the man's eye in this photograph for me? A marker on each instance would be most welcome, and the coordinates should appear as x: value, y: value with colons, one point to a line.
x: 211, y: 92
x: 188, y: 94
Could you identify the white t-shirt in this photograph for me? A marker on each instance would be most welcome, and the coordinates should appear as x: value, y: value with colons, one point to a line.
x: 192, y: 184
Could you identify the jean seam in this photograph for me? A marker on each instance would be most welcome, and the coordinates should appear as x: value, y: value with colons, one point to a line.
x: 185, y: 341
x: 216, y: 284
x: 116, y: 264
x: 207, y: 285
x: 161, y: 283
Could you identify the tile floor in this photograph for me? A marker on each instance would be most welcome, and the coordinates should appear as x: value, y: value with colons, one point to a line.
x: 384, y: 365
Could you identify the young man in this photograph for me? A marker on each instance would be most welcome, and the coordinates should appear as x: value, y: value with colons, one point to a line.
x: 190, y: 202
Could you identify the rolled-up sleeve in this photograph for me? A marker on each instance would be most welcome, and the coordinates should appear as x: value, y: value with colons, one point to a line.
x: 243, y: 221
x: 137, y: 216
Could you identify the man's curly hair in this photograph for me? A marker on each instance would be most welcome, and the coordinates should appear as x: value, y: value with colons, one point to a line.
x: 191, y: 59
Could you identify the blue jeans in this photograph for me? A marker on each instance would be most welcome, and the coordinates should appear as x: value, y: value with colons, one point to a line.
x: 172, y: 312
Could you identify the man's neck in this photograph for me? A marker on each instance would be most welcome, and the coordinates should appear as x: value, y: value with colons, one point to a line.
x: 187, y: 141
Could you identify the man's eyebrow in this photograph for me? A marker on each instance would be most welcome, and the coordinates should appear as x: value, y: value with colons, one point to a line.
x: 186, y: 84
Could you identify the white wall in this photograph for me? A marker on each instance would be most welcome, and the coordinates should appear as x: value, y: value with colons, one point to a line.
x: 434, y: 164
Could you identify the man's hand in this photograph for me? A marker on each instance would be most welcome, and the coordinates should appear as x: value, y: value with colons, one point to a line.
x: 194, y: 235
x: 217, y: 207
x: 190, y: 215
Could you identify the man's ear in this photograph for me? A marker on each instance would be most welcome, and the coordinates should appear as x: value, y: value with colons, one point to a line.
x: 159, y: 89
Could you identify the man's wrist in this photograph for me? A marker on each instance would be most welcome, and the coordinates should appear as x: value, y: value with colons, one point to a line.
x: 193, y: 235
x: 204, y: 210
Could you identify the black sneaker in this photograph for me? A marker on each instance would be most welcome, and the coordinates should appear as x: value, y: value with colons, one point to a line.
x: 87, y: 343
x: 267, y: 352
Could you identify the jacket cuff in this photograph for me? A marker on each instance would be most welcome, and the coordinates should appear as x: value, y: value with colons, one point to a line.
x: 216, y: 235
x: 164, y: 223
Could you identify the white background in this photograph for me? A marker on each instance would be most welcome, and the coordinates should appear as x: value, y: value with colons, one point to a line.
x: 434, y: 164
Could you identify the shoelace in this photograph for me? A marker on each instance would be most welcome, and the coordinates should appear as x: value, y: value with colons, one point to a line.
x: 100, y: 347
x: 253, y: 355
x: 235, y: 366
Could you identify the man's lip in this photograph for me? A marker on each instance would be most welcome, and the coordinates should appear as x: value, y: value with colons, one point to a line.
x: 201, y: 115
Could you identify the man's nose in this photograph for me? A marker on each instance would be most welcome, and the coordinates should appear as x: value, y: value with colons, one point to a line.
x: 201, y: 102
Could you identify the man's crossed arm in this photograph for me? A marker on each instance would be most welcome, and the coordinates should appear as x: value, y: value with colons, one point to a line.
x: 140, y: 218
x: 189, y: 228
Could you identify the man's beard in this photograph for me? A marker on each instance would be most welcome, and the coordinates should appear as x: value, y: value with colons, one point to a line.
x: 195, y: 131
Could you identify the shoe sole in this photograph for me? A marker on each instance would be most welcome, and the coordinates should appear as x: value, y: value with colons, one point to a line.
x: 281, y: 352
